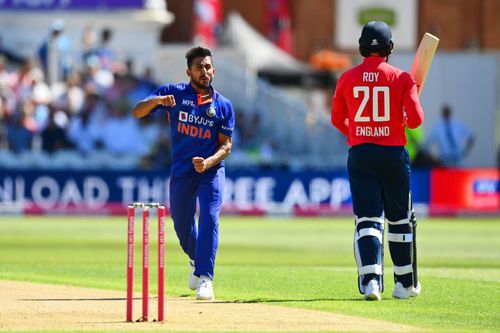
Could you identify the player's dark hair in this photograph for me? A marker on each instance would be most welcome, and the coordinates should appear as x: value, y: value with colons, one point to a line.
x: 386, y: 51
x: 196, y: 52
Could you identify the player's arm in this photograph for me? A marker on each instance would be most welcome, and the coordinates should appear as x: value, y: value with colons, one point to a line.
x: 144, y: 107
x: 339, y: 111
x: 225, y: 144
x: 411, y: 103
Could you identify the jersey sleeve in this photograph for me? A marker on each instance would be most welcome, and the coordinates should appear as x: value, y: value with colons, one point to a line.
x: 411, y: 103
x: 227, y: 122
x: 339, y: 110
x: 164, y: 90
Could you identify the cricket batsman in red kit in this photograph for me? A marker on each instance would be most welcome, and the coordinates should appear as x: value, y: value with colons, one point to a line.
x: 372, y: 105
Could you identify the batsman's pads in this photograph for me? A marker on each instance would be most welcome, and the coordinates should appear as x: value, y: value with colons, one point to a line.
x: 402, y: 246
x: 369, y: 250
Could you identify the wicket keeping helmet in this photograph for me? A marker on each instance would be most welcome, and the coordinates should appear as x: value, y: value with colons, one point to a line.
x: 376, y: 35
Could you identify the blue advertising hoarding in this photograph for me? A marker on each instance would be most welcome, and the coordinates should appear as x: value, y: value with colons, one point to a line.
x: 36, y: 191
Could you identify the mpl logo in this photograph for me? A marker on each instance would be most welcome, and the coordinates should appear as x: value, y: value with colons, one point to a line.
x: 188, y: 102
x: 183, y: 116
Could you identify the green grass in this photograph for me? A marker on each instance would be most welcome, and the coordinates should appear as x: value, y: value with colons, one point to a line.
x: 305, y: 263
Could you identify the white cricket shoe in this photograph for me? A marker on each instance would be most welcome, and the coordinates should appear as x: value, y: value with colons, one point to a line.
x: 404, y: 293
x: 193, y: 279
x: 372, y: 291
x: 205, y: 289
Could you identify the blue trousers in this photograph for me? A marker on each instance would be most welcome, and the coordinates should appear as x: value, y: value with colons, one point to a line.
x: 379, y: 178
x: 198, y: 242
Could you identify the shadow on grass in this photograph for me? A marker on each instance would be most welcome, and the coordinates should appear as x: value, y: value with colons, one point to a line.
x: 264, y: 300
x: 78, y: 299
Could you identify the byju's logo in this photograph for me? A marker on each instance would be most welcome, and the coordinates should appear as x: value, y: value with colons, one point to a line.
x: 183, y: 116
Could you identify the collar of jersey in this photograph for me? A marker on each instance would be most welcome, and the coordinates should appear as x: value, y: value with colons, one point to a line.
x: 374, y: 60
x: 192, y: 91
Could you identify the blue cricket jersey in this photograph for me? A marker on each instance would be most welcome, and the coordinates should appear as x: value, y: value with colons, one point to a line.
x: 194, y: 127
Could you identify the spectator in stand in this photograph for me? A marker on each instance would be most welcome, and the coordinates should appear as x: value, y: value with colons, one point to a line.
x: 121, y: 134
x: 28, y: 109
x: 53, y: 136
x: 55, y: 54
x: 107, y: 56
x: 89, y: 49
x: 37, y: 91
x: 39, y: 94
x: 95, y: 75
x: 127, y: 85
x: 267, y: 153
x: 151, y: 130
x: 134, y: 90
x: 21, y: 79
x: 84, y: 128
x: 70, y: 96
x: 7, y: 98
x: 19, y: 137
x: 101, y: 112
x: 250, y: 138
x: 450, y: 140
x: 10, y: 55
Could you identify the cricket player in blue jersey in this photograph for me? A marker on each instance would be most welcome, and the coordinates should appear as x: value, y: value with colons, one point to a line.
x: 201, y: 124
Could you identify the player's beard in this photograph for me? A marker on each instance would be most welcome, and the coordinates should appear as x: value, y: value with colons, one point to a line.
x: 202, y: 85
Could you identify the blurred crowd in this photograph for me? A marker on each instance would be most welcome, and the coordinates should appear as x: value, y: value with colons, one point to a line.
x: 61, y: 110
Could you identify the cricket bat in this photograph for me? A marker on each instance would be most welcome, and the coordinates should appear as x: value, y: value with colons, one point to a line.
x: 423, y: 59
x: 419, y: 69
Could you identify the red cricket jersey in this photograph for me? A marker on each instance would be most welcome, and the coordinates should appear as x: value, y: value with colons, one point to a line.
x: 373, y: 103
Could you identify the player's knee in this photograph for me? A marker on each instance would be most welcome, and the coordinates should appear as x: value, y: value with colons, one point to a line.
x: 368, y: 243
x: 368, y: 249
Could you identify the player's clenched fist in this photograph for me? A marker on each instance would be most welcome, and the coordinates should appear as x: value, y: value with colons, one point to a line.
x: 168, y: 100
x: 199, y: 164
